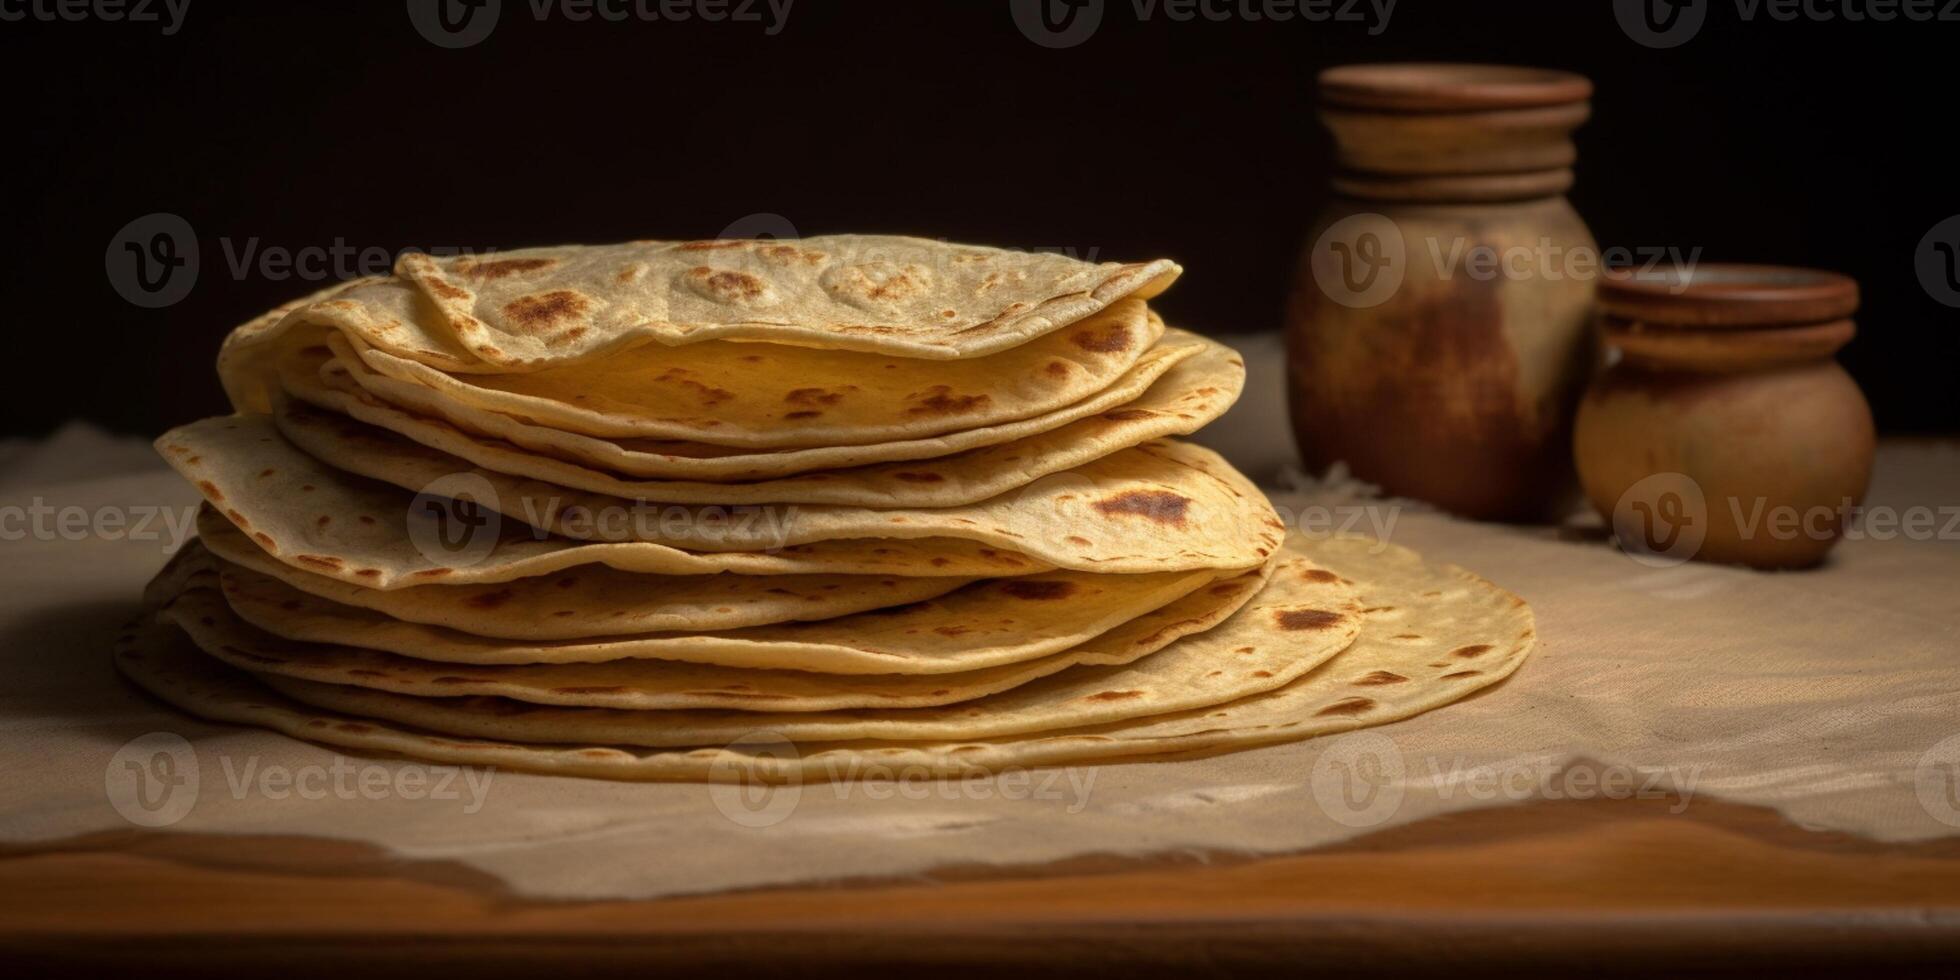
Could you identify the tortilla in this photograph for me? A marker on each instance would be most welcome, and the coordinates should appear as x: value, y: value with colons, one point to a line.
x: 1161, y: 506
x: 597, y: 600
x: 764, y: 396
x: 659, y: 684
x: 984, y: 624
x: 531, y: 309
x: 1430, y: 635
x: 1194, y: 394
x: 1174, y: 389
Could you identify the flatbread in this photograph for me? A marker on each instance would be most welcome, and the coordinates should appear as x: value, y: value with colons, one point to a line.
x: 532, y: 308
x: 1161, y: 506
x: 985, y: 624
x: 1177, y: 387
x: 1194, y: 394
x: 764, y: 396
x: 597, y: 600
x: 661, y: 685
x: 1430, y: 635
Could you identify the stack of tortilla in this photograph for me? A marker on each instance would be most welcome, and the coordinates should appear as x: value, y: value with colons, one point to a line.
x: 769, y: 509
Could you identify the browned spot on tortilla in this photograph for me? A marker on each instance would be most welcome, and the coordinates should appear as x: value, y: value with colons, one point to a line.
x: 1262, y: 673
x: 1037, y: 591
x: 727, y: 284
x: 1475, y: 650
x: 940, y: 400
x: 266, y: 539
x: 1079, y: 539
x: 952, y: 630
x: 910, y: 476
x: 1057, y: 369
x: 813, y: 396
x: 1319, y: 575
x: 1307, y: 619
x: 323, y: 520
x: 1228, y: 588
x: 539, y: 312
x: 499, y: 268
x: 805, y: 414
x: 710, y: 245
x: 1407, y: 636
x: 369, y: 573
x: 437, y: 572
x: 1462, y: 673
x: 1381, y: 677
x: 237, y: 518
x: 265, y: 473
x: 1129, y: 414
x: 490, y: 600
x: 1161, y: 506
x: 443, y: 289
x: 1116, y: 337
x: 210, y: 489
x: 318, y: 561
x: 1346, y: 706
x: 1114, y: 696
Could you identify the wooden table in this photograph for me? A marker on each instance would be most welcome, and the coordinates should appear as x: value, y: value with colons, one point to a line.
x: 1608, y: 887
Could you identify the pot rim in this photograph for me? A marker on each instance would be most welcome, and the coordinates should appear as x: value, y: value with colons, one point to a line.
x: 1728, y: 295
x: 1449, y: 86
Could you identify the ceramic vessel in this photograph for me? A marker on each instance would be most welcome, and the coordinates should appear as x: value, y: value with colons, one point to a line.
x: 1438, y: 331
x: 1726, y: 432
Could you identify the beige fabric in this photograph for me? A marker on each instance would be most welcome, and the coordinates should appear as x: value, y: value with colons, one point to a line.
x: 1177, y: 387
x: 965, y: 630
x: 527, y: 309
x: 1161, y: 506
x: 764, y: 396
x: 1195, y: 393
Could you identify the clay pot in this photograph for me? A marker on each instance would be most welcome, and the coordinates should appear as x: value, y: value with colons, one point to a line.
x: 1439, y: 327
x: 1726, y: 432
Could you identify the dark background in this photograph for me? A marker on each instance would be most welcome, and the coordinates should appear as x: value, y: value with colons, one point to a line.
x: 301, y: 124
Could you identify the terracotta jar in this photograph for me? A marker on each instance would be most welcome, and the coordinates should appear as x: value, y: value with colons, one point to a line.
x: 1726, y: 431
x: 1439, y: 328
